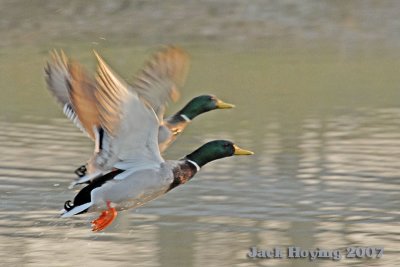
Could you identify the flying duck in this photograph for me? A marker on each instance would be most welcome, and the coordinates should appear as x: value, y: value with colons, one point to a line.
x: 157, y: 83
x: 131, y: 151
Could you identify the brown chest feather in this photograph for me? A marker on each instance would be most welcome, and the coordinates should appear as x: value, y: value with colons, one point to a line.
x: 182, y: 173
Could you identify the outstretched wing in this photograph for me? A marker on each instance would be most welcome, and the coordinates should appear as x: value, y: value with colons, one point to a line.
x: 58, y: 80
x: 130, y: 124
x: 82, y: 94
x: 67, y: 81
x: 57, y: 77
x: 160, y: 79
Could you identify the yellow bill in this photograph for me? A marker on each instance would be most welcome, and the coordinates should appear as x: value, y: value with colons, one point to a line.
x: 222, y: 105
x: 241, y: 151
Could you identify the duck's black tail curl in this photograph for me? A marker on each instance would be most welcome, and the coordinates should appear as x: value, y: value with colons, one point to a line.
x: 68, y: 205
x: 81, y: 171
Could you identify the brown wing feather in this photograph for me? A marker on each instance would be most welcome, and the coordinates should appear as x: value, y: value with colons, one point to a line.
x: 58, y: 78
x: 110, y: 94
x: 82, y: 94
x: 160, y: 79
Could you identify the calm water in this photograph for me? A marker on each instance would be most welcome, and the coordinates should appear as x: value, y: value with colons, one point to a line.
x: 325, y: 128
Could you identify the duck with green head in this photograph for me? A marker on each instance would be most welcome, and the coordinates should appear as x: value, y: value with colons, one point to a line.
x: 138, y: 172
x: 175, y: 124
x: 156, y: 84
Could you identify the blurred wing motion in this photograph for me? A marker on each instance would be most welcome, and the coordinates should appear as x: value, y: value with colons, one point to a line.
x: 74, y: 90
x: 157, y: 83
x: 131, y: 126
x: 114, y: 113
x: 160, y: 79
x: 57, y: 77
x: 82, y: 94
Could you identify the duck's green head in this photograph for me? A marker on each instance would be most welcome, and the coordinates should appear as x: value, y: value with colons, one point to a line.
x: 201, y: 104
x: 216, y: 150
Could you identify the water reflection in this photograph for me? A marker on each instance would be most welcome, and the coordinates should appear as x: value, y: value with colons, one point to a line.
x: 330, y: 182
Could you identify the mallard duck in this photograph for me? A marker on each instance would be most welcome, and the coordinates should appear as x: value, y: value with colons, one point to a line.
x: 157, y: 83
x: 139, y: 173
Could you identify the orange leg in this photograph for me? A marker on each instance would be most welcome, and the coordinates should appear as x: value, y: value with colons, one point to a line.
x: 105, y: 218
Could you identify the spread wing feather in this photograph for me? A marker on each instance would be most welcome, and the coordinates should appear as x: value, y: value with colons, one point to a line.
x: 130, y: 124
x: 160, y: 79
x: 82, y: 94
x: 57, y: 77
x: 61, y: 82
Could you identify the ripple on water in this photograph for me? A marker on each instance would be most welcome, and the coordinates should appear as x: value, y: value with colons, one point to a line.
x: 331, y: 183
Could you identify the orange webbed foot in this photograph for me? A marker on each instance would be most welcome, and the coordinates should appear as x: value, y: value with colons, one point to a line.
x: 105, y: 218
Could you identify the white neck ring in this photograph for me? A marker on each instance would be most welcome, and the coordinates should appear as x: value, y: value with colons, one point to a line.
x: 183, y: 116
x: 195, y: 164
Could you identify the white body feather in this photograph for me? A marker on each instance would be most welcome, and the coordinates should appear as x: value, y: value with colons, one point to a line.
x: 129, y: 189
x: 132, y: 190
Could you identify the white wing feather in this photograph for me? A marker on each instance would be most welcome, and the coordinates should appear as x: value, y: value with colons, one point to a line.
x: 57, y: 77
x: 130, y: 124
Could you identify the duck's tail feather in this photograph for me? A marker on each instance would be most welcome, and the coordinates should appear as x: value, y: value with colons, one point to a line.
x: 81, y: 171
x: 86, y: 178
x: 75, y: 210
